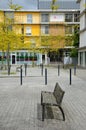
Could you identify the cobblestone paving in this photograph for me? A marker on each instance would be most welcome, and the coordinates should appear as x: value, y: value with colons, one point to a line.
x: 20, y: 107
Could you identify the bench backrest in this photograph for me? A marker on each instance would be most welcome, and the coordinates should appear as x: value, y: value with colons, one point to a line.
x: 58, y: 93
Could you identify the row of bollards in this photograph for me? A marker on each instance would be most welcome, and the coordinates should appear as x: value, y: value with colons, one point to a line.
x: 21, y: 76
x: 70, y: 73
x: 21, y: 73
x: 42, y: 68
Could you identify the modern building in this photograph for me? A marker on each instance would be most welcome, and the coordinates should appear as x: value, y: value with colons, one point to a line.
x: 82, y: 45
x: 38, y: 26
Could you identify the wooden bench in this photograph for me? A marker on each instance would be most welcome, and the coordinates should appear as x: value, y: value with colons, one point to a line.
x: 52, y: 99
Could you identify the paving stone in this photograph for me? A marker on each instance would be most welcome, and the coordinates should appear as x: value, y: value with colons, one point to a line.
x: 20, y: 107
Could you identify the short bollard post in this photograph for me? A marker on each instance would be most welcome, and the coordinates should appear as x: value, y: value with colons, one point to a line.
x: 45, y: 76
x: 21, y: 75
x: 42, y: 69
x: 25, y: 69
x: 75, y: 70
x: 58, y: 70
x: 70, y: 76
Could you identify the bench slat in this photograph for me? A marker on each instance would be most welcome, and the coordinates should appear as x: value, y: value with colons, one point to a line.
x: 48, y: 98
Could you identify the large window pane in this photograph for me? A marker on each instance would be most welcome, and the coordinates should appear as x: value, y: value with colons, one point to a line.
x: 68, y: 17
x: 81, y: 58
x: 29, y: 18
x: 28, y: 30
x: 45, y: 18
x: 85, y: 58
x: 76, y: 17
x: 45, y: 29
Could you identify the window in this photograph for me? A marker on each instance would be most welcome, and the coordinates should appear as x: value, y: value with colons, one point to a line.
x: 85, y: 58
x: 45, y: 29
x: 68, y: 30
x: 29, y: 18
x: 68, y: 18
x: 81, y: 58
x: 45, y: 18
x: 28, y: 31
x: 76, y: 17
x: 9, y: 14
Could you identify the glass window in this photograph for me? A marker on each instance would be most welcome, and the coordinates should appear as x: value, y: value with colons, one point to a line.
x: 28, y: 30
x: 44, y: 17
x: 68, y: 30
x: 85, y: 58
x: 29, y: 18
x: 81, y: 58
x: 45, y: 29
x: 68, y: 18
x: 9, y: 14
x: 76, y: 17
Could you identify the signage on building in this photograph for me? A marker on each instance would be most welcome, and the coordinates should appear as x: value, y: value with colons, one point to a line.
x: 56, y: 18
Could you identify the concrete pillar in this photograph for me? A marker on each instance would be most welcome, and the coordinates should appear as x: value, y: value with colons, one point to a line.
x: 79, y: 58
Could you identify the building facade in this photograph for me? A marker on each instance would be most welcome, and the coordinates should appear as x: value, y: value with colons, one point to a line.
x: 38, y: 27
x: 82, y: 46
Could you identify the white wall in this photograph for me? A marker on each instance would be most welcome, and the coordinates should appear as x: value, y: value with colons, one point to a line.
x: 82, y: 39
x: 82, y: 22
x: 57, y: 18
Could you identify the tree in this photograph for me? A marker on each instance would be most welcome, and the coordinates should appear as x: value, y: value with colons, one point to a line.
x: 7, y: 35
x: 76, y: 36
x: 7, y: 40
x: 54, y: 7
x: 14, y: 6
x: 74, y: 51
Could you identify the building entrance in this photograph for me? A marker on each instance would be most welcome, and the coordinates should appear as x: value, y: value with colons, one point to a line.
x: 13, y: 59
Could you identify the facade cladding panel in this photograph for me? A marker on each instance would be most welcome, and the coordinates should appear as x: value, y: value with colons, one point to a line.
x: 61, y: 4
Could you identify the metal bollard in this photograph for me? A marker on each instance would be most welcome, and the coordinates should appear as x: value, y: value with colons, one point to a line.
x: 45, y: 76
x: 21, y: 75
x: 58, y: 70
x: 25, y: 69
x: 70, y: 76
x: 42, y: 69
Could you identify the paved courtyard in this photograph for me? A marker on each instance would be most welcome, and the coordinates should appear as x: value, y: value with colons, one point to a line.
x: 20, y: 107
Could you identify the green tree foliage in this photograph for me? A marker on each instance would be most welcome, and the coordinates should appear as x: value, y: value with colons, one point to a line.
x: 74, y: 52
x: 14, y: 6
x: 68, y: 40
x: 54, y: 7
x: 76, y: 36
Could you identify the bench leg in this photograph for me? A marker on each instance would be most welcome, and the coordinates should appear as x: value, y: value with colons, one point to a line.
x: 43, y: 112
x: 62, y: 113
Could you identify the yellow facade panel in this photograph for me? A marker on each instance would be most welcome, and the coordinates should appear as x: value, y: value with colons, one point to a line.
x: 36, y: 30
x: 1, y: 16
x: 57, y: 30
x: 21, y: 17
